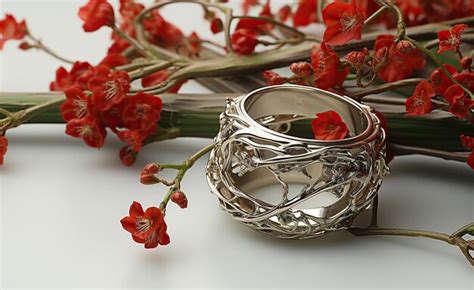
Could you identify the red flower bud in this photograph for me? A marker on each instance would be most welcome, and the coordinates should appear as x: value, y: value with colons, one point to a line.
x: 147, y: 175
x: 24, y: 46
x: 3, y: 148
x: 301, y: 69
x: 284, y: 13
x: 272, y: 78
x: 216, y: 25
x: 357, y: 58
x: 466, y: 62
x: 180, y: 199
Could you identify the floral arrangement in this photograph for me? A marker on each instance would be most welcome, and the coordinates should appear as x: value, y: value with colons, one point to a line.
x: 410, y: 60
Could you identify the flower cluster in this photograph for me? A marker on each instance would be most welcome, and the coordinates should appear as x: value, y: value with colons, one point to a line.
x: 146, y: 227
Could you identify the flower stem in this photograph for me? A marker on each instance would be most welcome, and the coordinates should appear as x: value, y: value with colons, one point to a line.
x: 454, y: 240
x: 39, y: 45
x: 182, y: 169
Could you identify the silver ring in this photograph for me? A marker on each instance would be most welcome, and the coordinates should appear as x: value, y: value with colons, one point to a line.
x: 288, y: 186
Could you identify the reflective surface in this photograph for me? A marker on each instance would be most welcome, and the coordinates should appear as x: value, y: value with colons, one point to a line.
x: 331, y: 181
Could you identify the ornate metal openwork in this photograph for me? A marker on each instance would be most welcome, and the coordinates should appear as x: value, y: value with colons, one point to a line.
x: 316, y: 186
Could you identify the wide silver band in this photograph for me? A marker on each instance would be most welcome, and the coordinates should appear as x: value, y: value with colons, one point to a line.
x: 290, y: 186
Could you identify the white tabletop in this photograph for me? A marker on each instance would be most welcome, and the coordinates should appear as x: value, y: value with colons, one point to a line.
x: 61, y: 203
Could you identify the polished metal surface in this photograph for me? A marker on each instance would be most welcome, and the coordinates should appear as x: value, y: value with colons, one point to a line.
x: 288, y: 186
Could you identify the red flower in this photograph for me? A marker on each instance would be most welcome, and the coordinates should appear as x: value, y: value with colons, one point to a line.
x: 195, y: 43
x: 459, y: 104
x: 272, y: 78
x: 216, y: 25
x: 148, y: 173
x: 327, y: 68
x: 88, y: 129
x: 357, y: 58
x: 468, y: 144
x: 420, y: 102
x: 450, y: 39
x: 128, y: 156
x: 247, y: 4
x: 129, y: 9
x: 3, y: 148
x: 284, y: 13
x: 398, y: 60
x: 108, y: 87
x: 113, y: 60
x: 302, y: 69
x: 180, y: 199
x: 118, y: 46
x: 466, y: 79
x: 466, y: 62
x: 147, y: 227
x: 344, y: 22
x: 440, y: 80
x: 159, y: 77
x: 95, y: 14
x: 142, y: 111
x: 76, y: 106
x: 470, y: 160
x: 133, y: 139
x: 244, y: 41
x: 162, y: 32
x: 306, y: 13
x: 11, y: 29
x: 329, y: 126
x: 78, y: 76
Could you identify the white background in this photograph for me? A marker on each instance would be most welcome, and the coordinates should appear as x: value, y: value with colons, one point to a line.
x: 61, y: 203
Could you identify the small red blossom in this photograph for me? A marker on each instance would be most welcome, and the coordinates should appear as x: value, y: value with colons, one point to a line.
x: 306, y: 13
x: 76, y: 106
x: 357, y: 58
x: 3, y: 148
x: 450, y: 39
x: 467, y: 142
x: 399, y: 59
x: 194, y: 43
x: 284, y: 13
x: 247, y: 4
x: 302, y: 69
x: 127, y: 156
x: 148, y: 173
x: 108, y: 87
x: 344, y: 22
x: 420, y: 102
x: 272, y: 78
x: 459, y: 104
x: 327, y: 68
x: 329, y: 126
x: 96, y: 14
x: 216, y: 25
x: 118, y: 46
x: 88, y: 129
x: 159, y: 77
x: 142, y: 111
x: 466, y: 79
x: 162, y: 32
x: 440, y: 80
x: 133, y: 139
x: 147, y: 227
x: 244, y: 41
x: 79, y: 75
x: 180, y: 199
x: 11, y: 29
x: 466, y: 63
x: 129, y: 9
x: 113, y: 60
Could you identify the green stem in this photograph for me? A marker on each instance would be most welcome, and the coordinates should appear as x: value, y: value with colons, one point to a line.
x: 182, y: 169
